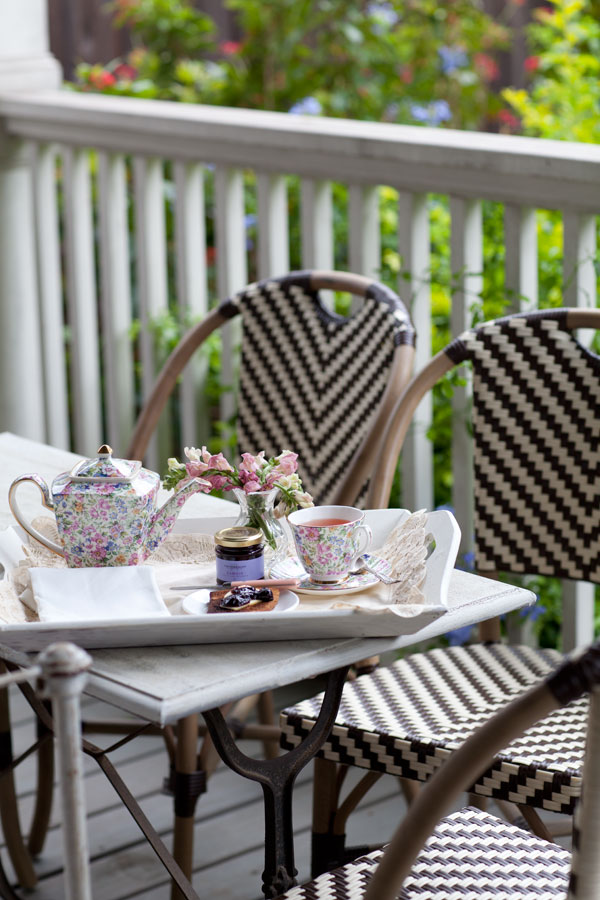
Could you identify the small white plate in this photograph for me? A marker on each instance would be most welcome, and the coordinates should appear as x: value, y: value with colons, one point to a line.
x: 196, y: 604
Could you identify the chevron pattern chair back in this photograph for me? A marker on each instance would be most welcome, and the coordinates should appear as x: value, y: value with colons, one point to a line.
x: 472, y: 853
x: 536, y: 412
x: 312, y: 381
x: 536, y: 435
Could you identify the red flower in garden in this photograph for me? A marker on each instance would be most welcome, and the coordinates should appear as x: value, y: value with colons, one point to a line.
x: 532, y: 63
x: 487, y: 66
x: 230, y: 48
x: 406, y: 74
x: 101, y: 79
x: 508, y: 119
x: 125, y: 72
x: 211, y: 254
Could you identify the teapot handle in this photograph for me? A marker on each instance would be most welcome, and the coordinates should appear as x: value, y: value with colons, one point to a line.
x: 47, y: 502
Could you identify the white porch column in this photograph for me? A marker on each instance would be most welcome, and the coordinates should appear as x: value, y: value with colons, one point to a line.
x: 25, y: 65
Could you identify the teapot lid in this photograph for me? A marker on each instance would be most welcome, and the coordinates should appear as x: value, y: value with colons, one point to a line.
x: 104, y: 468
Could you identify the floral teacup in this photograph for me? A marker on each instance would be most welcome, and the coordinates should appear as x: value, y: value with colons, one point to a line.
x: 329, y: 539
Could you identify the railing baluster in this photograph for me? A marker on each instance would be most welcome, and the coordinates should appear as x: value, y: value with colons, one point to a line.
x: 579, y: 276
x: 115, y: 296
x: 579, y: 253
x: 466, y: 265
x: 364, y: 232
x: 151, y: 277
x: 51, y: 300
x: 273, y: 236
x: 192, y: 295
x: 316, y: 224
x: 413, y: 243
x: 521, y: 258
x: 82, y: 302
x: 232, y: 271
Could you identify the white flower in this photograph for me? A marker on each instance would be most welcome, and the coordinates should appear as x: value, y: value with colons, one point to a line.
x: 289, y: 482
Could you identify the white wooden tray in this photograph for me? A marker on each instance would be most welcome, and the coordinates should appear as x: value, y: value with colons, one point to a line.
x: 305, y: 622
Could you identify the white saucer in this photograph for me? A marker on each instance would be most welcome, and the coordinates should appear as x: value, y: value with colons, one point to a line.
x: 292, y: 568
x: 196, y: 604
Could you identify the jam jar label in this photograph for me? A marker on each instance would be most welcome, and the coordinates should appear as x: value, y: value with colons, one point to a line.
x: 240, y: 569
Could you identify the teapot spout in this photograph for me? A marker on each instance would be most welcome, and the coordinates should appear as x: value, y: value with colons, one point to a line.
x: 164, y: 518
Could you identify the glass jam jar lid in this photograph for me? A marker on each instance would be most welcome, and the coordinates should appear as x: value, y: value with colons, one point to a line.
x: 239, y: 536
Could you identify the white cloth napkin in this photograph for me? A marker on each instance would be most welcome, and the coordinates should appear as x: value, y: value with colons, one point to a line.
x: 106, y: 592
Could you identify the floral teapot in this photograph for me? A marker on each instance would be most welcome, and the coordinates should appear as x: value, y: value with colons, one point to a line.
x: 105, y: 511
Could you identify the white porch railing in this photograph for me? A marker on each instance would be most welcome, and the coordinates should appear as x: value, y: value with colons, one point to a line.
x: 107, y: 280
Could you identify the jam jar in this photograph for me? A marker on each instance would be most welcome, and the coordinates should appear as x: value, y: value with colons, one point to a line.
x: 240, y: 554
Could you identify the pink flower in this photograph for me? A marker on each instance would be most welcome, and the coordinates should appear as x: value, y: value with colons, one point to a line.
x: 102, y: 79
x: 508, y: 119
x: 230, y: 48
x: 195, y: 469
x: 200, y: 461
x: 218, y: 461
x: 251, y: 487
x: 125, y: 72
x: 218, y: 482
x: 532, y: 63
x: 252, y: 464
x: 487, y: 66
x: 287, y: 462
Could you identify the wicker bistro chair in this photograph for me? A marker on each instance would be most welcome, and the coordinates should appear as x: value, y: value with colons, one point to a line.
x: 318, y: 383
x: 536, y: 432
x: 312, y: 381
x: 471, y: 853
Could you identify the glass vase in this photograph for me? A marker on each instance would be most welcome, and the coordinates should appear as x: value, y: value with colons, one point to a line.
x: 257, y: 510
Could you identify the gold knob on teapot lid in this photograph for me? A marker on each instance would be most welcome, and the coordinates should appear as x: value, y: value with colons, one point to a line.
x: 105, y: 450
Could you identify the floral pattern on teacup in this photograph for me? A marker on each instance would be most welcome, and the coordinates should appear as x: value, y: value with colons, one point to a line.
x: 327, y: 552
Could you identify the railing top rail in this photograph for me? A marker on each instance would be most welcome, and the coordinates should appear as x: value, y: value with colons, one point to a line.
x: 525, y: 171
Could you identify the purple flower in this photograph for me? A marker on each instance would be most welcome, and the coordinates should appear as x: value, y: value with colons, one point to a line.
x: 452, y: 58
x: 459, y: 636
x: 468, y: 561
x: 384, y: 15
x: 532, y: 612
x: 433, y: 114
x: 309, y: 106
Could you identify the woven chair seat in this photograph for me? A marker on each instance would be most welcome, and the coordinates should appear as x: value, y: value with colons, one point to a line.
x: 405, y: 719
x: 470, y: 854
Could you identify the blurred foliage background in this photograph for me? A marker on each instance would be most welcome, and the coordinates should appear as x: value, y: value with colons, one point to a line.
x: 411, y: 62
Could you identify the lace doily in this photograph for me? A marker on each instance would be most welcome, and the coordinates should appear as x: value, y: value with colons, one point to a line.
x: 406, y: 549
x: 16, y: 600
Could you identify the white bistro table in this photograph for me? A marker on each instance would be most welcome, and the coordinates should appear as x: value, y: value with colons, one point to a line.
x: 171, y: 685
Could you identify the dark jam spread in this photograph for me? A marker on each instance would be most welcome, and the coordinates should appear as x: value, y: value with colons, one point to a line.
x: 245, y: 595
